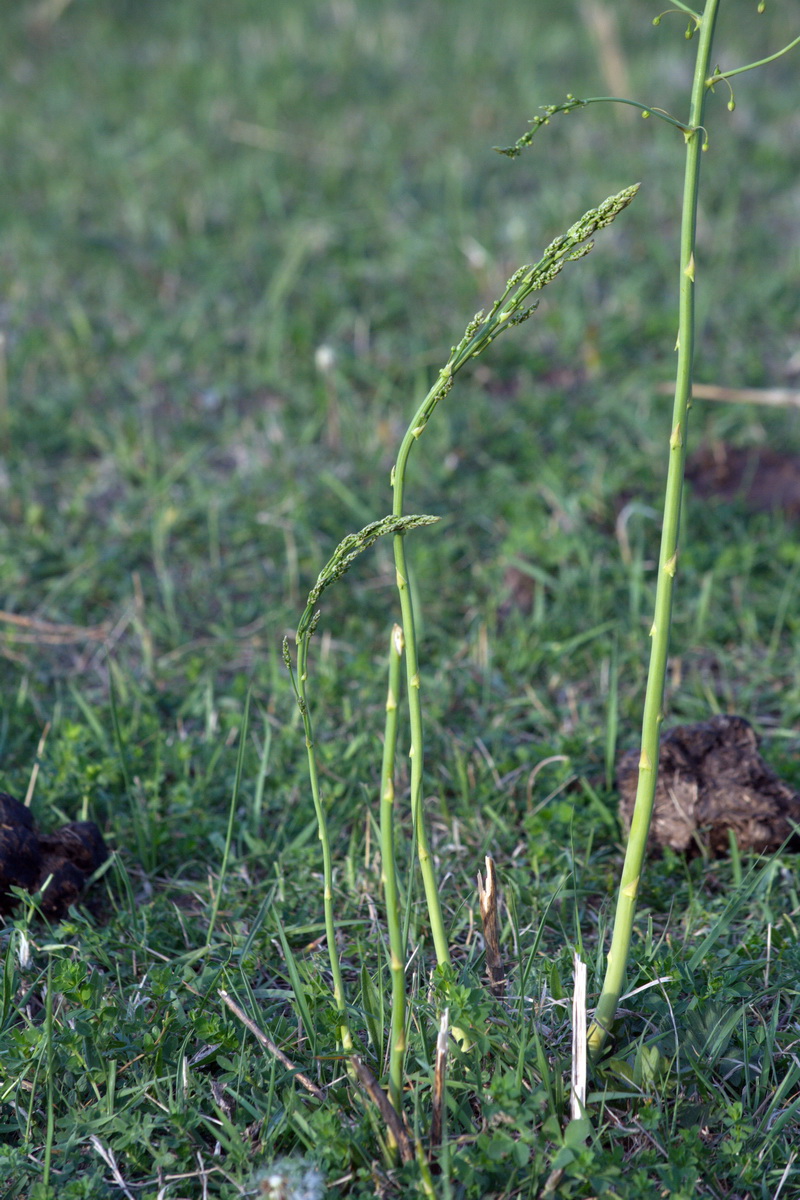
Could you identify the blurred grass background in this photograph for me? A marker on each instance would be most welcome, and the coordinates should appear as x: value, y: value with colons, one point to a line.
x: 196, y: 202
x: 237, y: 243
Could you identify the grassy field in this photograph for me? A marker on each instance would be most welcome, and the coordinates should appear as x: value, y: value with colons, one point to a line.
x: 237, y: 243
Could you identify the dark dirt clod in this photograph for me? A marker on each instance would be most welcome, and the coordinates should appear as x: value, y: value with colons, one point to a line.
x: 81, y: 842
x: 766, y: 479
x: 20, y: 857
x: 711, y: 779
x: 27, y: 860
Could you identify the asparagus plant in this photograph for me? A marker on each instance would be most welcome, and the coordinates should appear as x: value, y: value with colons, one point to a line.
x: 702, y: 25
x: 517, y: 302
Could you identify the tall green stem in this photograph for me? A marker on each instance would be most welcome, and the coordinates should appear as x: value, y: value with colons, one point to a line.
x: 397, y: 949
x: 668, y: 554
x: 415, y: 718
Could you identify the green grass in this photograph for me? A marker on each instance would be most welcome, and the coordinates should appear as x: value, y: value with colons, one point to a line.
x: 194, y: 202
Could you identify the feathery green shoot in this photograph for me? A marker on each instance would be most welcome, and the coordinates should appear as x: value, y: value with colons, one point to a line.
x: 512, y: 308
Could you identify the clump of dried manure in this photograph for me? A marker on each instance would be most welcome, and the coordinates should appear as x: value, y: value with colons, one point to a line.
x: 65, y: 858
x: 711, y: 779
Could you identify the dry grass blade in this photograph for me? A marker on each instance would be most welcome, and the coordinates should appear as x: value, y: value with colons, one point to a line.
x: 268, y: 1044
x: 771, y: 397
x: 377, y: 1095
x: 108, y: 1158
x: 48, y: 633
x: 487, y: 894
x: 600, y: 20
x: 552, y: 1182
x: 439, y: 1070
x: 785, y: 1175
x: 36, y: 764
x: 578, y: 1092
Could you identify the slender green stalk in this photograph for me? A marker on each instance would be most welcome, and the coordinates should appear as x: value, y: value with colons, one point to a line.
x: 415, y: 720
x: 347, y: 550
x: 322, y: 831
x: 511, y: 309
x: 668, y: 555
x: 397, y: 949
x: 570, y: 105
